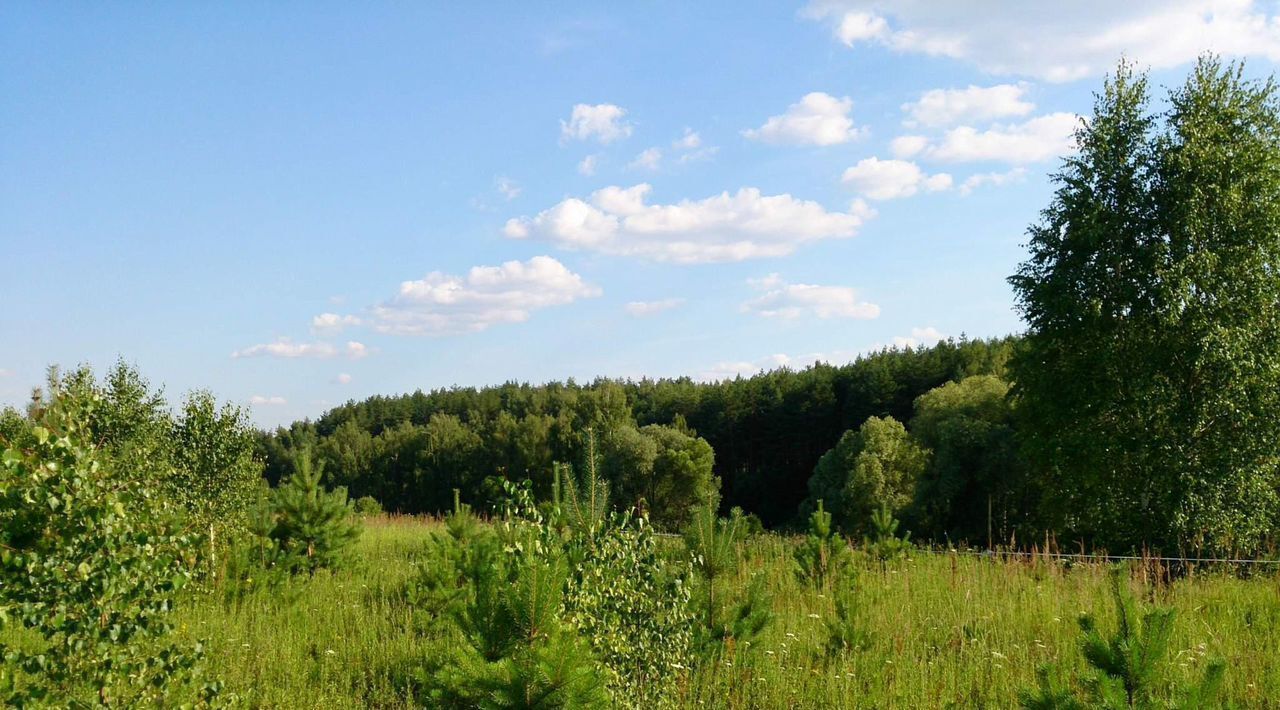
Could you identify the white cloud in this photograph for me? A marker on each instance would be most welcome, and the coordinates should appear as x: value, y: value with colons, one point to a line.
x: 817, y: 119
x: 889, y: 179
x: 698, y: 155
x: 920, y: 337
x: 648, y: 159
x: 342, y: 378
x: 641, y: 309
x: 287, y: 348
x: 1057, y: 41
x: 946, y: 107
x: 442, y: 304
x: 973, y: 182
x: 602, y: 122
x: 507, y: 188
x: 745, y: 368
x: 908, y: 146
x: 790, y: 301
x: 1041, y: 138
x: 588, y: 165
x: 6, y: 372
x: 720, y: 228
x: 332, y: 323
x: 258, y: 400
x: 689, y: 141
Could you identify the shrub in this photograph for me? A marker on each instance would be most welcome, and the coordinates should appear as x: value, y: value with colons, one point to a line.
x: 368, y: 507
x: 90, y: 564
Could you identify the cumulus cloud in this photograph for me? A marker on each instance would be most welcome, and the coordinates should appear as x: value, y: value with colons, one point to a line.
x: 442, y: 304
x: 649, y: 159
x: 946, y: 107
x: 1041, y: 138
x: 920, y: 337
x: 640, y: 309
x: 507, y: 188
x: 816, y: 119
x: 588, y: 165
x: 689, y: 141
x: 258, y: 400
x: 602, y: 122
x: 908, y: 146
x: 720, y: 228
x: 332, y: 323
x: 1057, y: 41
x: 889, y: 179
x: 287, y: 348
x: 342, y: 378
x: 789, y: 301
x: 974, y: 182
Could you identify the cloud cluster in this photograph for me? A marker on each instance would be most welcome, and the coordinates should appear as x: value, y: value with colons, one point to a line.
x: 602, y: 122
x: 1057, y: 42
x: 878, y: 179
x: 789, y: 301
x: 287, y: 348
x: 721, y: 228
x: 258, y: 400
x: 332, y: 323
x: 641, y: 309
x: 442, y: 304
x: 1040, y: 138
x: 946, y: 107
x: 816, y: 119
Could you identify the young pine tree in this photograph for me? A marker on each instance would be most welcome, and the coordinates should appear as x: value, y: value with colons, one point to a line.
x: 313, y: 526
x: 823, y: 553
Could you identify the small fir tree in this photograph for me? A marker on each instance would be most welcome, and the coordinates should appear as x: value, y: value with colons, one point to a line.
x: 313, y: 526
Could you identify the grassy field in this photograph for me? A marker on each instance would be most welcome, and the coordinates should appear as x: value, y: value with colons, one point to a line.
x: 945, y: 631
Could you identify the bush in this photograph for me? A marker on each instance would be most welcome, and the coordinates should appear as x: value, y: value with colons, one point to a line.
x: 90, y: 564
x: 368, y: 507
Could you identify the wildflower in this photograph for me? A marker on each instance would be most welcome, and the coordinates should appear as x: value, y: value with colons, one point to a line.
x: 814, y: 616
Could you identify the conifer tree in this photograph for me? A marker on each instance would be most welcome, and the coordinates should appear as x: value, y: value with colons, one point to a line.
x: 313, y: 526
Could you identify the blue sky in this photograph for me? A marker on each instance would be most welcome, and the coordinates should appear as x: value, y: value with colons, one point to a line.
x: 299, y: 204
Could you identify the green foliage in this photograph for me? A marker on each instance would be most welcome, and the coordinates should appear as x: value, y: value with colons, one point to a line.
x: 661, y: 470
x: 312, y: 526
x: 767, y: 433
x: 884, y: 544
x: 368, y: 507
x: 846, y: 628
x: 711, y: 544
x: 974, y: 484
x: 1151, y: 369
x: 90, y: 566
x: 823, y: 554
x: 1130, y: 664
x: 876, y: 465
x: 214, y: 473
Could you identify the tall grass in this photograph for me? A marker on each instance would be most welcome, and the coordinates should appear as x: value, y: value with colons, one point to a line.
x: 942, y: 630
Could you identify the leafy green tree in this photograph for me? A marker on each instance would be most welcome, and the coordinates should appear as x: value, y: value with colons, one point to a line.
x: 659, y: 469
x: 973, y: 487
x: 91, y: 562
x: 215, y: 474
x: 874, y: 466
x: 1150, y: 373
x: 312, y: 525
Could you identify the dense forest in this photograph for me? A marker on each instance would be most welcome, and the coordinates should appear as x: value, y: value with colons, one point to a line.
x: 765, y: 433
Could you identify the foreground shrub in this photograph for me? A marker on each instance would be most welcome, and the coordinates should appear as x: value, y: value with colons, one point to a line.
x: 1129, y: 664
x: 90, y: 564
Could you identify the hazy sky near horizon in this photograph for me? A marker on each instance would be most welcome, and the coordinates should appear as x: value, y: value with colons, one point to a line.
x: 297, y: 204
